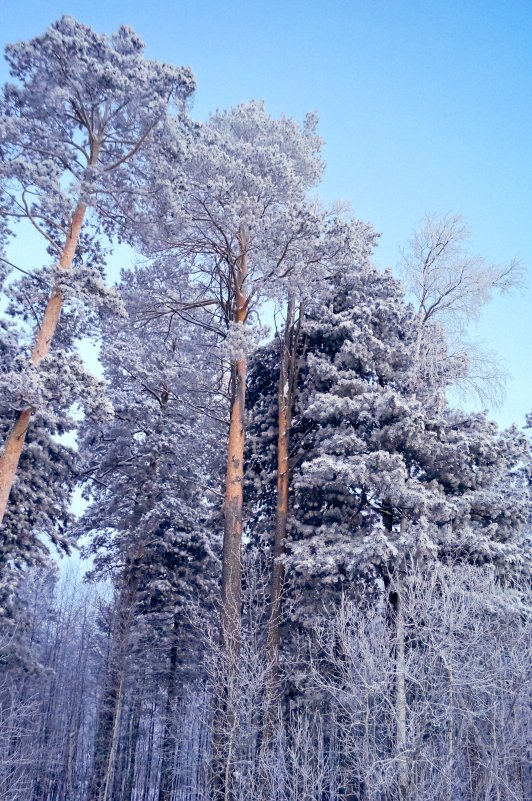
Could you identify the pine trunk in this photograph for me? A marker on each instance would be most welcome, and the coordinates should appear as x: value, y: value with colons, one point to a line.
x: 14, y: 443
x: 286, y: 391
x: 225, y: 723
x: 231, y: 558
x: 169, y: 735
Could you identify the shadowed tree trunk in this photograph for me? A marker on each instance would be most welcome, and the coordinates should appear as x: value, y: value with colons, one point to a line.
x: 132, y: 751
x: 169, y: 734
x: 288, y: 373
x: 109, y: 714
x: 398, y: 622
x: 400, y: 696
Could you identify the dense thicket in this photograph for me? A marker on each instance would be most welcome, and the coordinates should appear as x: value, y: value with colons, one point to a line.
x: 303, y: 573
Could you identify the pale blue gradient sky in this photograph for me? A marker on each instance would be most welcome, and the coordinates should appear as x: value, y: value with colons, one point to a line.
x: 426, y: 106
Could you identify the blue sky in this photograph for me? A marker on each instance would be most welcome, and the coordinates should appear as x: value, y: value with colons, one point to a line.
x: 425, y: 106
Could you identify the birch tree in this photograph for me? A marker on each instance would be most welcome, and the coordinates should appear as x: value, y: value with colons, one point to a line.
x: 450, y: 285
x: 466, y: 653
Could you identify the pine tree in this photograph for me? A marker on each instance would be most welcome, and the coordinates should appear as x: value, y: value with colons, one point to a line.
x: 388, y: 478
x: 73, y: 131
x: 47, y: 473
x: 151, y: 471
x: 382, y: 476
x: 244, y: 232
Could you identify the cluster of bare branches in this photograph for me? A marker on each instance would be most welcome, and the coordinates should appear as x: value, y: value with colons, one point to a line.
x: 427, y: 699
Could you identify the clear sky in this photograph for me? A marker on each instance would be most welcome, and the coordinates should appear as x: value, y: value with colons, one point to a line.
x: 425, y: 106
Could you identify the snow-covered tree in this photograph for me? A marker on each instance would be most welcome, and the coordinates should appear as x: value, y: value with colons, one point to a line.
x: 73, y: 132
x: 41, y: 494
x: 48, y: 668
x: 373, y: 644
x: 449, y: 286
x: 382, y: 477
x: 388, y: 478
x: 245, y: 232
x: 153, y: 477
x: 464, y: 721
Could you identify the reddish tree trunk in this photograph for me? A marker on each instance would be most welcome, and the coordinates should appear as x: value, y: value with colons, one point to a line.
x: 231, y: 558
x: 225, y: 723
x: 14, y: 443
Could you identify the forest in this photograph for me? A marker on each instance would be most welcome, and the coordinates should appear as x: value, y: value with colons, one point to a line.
x: 255, y: 547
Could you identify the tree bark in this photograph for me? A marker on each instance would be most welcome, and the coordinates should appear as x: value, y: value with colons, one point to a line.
x: 225, y: 720
x: 400, y: 697
x: 286, y: 391
x: 149, y: 756
x: 400, y: 681
x: 74, y: 726
x: 169, y: 738
x: 232, y: 541
x: 449, y: 723
x: 108, y: 717
x: 131, y: 752
x: 14, y: 443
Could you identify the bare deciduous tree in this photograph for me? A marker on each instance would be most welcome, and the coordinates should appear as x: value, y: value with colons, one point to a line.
x: 450, y: 286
